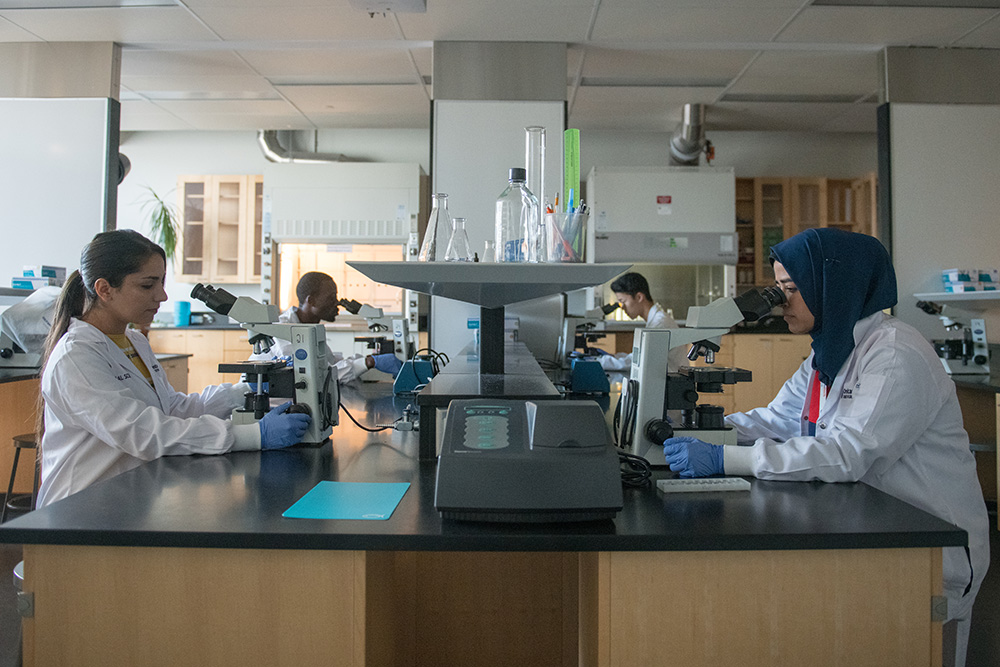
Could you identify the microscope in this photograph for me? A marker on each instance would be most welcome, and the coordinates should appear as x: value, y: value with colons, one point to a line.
x: 968, y: 355
x: 307, y: 378
x: 377, y: 322
x: 657, y: 404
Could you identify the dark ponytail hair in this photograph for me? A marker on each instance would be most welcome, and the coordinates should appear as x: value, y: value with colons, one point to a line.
x: 109, y: 255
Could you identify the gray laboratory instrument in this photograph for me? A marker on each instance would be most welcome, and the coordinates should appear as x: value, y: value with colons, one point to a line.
x: 527, y: 461
x: 306, y: 378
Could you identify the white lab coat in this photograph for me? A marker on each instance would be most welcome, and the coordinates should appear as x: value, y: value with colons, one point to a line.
x: 891, y: 420
x: 656, y: 318
x: 348, y: 368
x: 102, y: 417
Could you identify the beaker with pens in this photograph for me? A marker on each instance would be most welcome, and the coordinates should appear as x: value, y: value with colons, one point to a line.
x: 567, y: 233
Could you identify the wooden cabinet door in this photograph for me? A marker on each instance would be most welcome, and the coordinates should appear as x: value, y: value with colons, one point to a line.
x: 230, y: 231
x: 789, y: 351
x: 195, y: 208
x: 809, y: 205
x: 168, y: 340
x: 771, y: 213
x: 755, y: 354
x: 236, y: 348
x: 206, y: 348
x: 177, y: 373
x: 255, y: 228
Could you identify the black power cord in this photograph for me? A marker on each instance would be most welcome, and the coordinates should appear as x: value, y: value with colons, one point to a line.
x: 361, y: 426
x: 636, y: 470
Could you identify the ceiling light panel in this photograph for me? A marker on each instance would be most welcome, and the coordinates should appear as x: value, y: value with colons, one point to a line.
x: 83, y: 4
x: 946, y: 4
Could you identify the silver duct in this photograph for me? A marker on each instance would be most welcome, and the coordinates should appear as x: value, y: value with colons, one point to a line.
x: 275, y: 152
x: 688, y: 141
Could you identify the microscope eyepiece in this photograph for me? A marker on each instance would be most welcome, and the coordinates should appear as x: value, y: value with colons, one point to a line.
x: 350, y: 305
x: 756, y: 304
x: 609, y: 308
x: 218, y: 300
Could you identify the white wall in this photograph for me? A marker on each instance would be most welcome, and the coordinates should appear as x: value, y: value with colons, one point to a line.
x: 158, y: 158
x: 54, y: 180
x: 945, y: 202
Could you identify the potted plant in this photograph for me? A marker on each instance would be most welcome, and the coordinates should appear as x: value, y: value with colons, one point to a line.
x: 164, y: 226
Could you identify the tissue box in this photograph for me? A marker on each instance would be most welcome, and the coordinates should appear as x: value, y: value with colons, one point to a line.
x: 971, y: 286
x: 31, y: 282
x: 58, y: 273
x: 989, y: 275
x: 958, y: 275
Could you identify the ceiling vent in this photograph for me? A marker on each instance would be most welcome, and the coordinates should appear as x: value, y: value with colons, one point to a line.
x: 385, y: 6
x: 275, y: 152
x: 688, y: 142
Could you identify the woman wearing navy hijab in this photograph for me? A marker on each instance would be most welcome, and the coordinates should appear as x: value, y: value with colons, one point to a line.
x: 872, y: 403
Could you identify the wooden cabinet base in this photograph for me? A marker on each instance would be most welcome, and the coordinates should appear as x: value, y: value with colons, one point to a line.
x: 117, y: 605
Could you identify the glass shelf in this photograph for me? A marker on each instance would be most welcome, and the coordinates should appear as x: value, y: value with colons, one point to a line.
x: 486, y: 284
x: 968, y: 300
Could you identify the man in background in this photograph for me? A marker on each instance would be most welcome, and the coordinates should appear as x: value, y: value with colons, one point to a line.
x: 317, y: 295
x: 632, y: 292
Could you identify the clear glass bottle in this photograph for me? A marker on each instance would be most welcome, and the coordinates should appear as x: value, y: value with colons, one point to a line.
x: 534, y: 168
x: 438, y: 227
x: 516, y: 208
x: 459, y: 249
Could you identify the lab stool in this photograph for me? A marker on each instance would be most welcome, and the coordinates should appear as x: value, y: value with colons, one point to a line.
x: 23, y: 441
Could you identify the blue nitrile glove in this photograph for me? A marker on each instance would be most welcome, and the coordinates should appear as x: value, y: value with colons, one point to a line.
x: 279, y: 429
x: 387, y: 363
x: 693, y: 458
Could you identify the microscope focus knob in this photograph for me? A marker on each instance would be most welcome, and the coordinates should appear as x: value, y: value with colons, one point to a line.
x: 301, y: 384
x: 980, y: 359
x: 658, y: 430
x: 6, y: 353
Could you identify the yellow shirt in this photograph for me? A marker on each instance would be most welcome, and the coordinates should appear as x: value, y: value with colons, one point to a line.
x: 122, y: 341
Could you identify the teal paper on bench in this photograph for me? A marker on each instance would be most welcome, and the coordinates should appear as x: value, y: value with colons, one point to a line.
x: 371, y: 501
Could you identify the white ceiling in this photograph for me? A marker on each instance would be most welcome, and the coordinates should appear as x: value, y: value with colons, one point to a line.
x: 304, y: 64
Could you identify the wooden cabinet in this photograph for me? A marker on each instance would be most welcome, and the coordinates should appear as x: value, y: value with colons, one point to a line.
x: 772, y: 358
x: 20, y: 403
x: 221, y: 218
x: 769, y: 210
x: 208, y: 348
x: 177, y: 372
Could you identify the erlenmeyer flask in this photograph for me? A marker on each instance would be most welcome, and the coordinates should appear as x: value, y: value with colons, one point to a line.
x: 458, y: 246
x: 438, y: 224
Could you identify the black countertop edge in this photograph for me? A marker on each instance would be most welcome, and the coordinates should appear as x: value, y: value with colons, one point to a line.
x: 984, y: 382
x: 18, y: 374
x: 497, y: 541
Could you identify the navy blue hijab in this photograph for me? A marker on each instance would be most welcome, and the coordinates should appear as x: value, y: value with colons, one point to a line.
x: 843, y: 277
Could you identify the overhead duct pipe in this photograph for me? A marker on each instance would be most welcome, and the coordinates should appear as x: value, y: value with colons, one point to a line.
x: 688, y: 141
x: 275, y: 152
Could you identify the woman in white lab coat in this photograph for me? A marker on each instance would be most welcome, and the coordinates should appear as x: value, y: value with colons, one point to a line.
x: 107, y: 403
x: 872, y: 403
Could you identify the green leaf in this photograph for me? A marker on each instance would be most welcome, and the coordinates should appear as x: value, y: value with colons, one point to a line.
x: 164, y: 227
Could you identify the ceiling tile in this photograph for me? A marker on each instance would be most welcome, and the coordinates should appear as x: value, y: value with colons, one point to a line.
x: 652, y: 65
x: 140, y: 115
x: 985, y: 36
x: 369, y: 65
x: 772, y: 116
x: 124, y: 24
x: 862, y: 117
x: 810, y: 73
x: 10, y: 32
x: 662, y: 23
x: 909, y: 26
x: 250, y: 86
x: 142, y: 62
x: 355, y: 99
x: 302, y: 24
x: 510, y: 20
